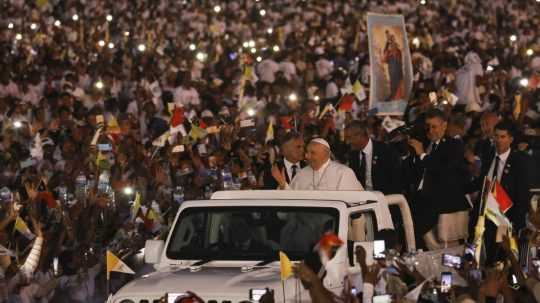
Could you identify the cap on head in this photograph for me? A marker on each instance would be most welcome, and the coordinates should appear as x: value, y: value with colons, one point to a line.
x: 322, y: 142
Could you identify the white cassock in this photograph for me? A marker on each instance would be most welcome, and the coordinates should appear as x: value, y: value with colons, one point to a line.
x: 331, y: 176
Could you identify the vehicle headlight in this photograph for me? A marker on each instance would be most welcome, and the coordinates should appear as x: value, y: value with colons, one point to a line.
x: 127, y: 301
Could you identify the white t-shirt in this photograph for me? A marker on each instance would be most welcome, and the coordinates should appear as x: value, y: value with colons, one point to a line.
x: 186, y: 96
x: 267, y: 70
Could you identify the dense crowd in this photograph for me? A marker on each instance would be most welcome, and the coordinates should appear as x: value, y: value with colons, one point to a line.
x: 103, y: 103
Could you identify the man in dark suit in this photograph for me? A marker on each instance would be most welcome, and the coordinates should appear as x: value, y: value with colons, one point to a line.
x: 442, y: 175
x: 376, y: 164
x: 512, y: 169
x: 291, y: 160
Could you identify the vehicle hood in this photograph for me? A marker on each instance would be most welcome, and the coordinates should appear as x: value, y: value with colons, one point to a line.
x: 210, y: 283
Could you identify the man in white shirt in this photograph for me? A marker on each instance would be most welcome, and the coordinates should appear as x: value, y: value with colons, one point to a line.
x: 267, y: 70
x: 322, y: 173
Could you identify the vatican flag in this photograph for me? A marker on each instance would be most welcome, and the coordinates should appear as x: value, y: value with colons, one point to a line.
x: 285, y: 266
x: 115, y: 264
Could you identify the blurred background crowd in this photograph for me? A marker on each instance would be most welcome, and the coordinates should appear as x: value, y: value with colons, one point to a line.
x: 173, y: 100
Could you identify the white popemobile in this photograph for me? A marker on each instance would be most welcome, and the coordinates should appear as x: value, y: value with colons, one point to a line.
x: 226, y: 249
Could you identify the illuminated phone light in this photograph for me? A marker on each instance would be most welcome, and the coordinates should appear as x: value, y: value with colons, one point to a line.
x: 17, y: 124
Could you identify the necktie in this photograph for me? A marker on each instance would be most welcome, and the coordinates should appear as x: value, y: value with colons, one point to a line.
x: 363, y: 168
x: 293, y: 168
x: 495, y: 173
x: 433, y: 147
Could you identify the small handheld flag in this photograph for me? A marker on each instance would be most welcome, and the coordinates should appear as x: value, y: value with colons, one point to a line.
x: 285, y: 266
x: 115, y: 264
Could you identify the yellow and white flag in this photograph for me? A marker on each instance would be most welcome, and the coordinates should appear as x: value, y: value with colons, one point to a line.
x: 115, y: 264
x: 136, y: 206
x: 160, y: 141
x: 269, y: 132
x: 21, y: 227
x: 285, y: 266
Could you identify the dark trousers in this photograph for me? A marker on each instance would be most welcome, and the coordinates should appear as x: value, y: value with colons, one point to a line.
x: 425, y: 216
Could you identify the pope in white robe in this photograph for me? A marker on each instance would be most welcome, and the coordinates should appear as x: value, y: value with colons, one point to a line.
x: 322, y: 173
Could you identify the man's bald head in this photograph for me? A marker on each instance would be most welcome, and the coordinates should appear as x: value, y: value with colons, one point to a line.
x: 318, y: 153
x: 488, y: 122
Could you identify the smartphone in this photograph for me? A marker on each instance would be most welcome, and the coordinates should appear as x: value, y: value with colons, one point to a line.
x: 171, y: 297
x: 255, y: 294
x: 382, y: 299
x: 104, y: 147
x: 378, y: 249
x: 451, y: 261
x: 55, y: 266
x: 446, y: 281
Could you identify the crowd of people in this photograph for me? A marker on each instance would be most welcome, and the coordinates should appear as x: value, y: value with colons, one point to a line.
x: 103, y: 103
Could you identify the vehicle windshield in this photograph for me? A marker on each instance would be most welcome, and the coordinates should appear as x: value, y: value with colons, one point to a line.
x: 249, y: 233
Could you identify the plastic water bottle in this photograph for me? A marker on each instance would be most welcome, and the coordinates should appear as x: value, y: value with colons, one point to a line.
x: 80, y: 186
x: 227, y: 178
x: 178, y: 195
x: 103, y: 182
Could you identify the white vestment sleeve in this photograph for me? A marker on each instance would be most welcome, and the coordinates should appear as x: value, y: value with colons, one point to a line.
x: 348, y: 181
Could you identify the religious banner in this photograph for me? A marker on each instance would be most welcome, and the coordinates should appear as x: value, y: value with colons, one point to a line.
x: 390, y: 61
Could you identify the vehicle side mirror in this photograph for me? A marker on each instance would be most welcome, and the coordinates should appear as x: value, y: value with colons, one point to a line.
x: 153, y: 250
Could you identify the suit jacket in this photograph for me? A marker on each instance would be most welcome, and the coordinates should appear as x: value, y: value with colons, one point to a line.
x: 445, y: 176
x: 516, y: 181
x: 385, y: 168
x: 268, y: 179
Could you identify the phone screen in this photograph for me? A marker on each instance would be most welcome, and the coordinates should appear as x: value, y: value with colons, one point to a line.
x: 256, y: 294
x: 378, y: 249
x: 104, y: 147
x: 171, y: 297
x: 446, y: 281
x: 451, y: 261
x: 382, y: 299
x: 55, y: 266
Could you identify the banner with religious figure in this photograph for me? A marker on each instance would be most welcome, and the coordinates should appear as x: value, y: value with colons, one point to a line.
x: 390, y: 61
